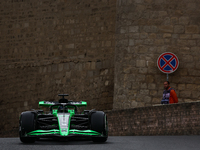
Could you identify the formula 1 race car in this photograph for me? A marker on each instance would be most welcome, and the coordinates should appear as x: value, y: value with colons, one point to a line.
x: 63, y: 121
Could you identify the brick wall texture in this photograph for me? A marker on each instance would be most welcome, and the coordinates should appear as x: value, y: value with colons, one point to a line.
x: 48, y: 47
x: 174, y: 119
x: 144, y: 30
x: 100, y: 51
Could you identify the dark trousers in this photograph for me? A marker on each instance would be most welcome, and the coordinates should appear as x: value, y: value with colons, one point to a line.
x: 164, y: 102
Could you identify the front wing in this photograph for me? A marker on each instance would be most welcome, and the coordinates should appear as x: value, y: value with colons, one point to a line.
x: 56, y: 132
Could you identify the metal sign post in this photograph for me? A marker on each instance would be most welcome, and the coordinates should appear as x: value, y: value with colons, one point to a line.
x: 167, y: 77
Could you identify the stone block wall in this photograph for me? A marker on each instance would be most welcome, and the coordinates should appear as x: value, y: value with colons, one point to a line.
x: 49, y: 47
x: 144, y: 30
x: 174, y: 119
x: 100, y: 51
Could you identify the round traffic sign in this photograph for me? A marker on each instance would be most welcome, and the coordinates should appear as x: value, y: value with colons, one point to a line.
x: 167, y: 62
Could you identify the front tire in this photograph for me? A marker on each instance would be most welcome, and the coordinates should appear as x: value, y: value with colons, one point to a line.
x: 99, y: 124
x: 27, y: 123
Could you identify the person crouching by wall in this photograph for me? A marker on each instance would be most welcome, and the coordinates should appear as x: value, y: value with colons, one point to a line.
x: 169, y: 94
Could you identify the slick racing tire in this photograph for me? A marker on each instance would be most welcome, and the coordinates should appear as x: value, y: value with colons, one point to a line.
x: 99, y: 124
x: 27, y: 123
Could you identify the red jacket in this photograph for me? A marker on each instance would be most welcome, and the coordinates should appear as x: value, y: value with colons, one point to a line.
x: 173, y: 97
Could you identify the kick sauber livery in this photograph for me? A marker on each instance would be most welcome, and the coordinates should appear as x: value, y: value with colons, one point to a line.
x: 63, y: 121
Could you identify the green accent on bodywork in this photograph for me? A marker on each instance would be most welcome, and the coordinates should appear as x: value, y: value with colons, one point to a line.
x: 47, y: 104
x: 62, y: 130
x: 83, y: 104
x: 54, y: 112
x: 42, y: 103
x: 43, y: 132
x: 71, y: 111
x: 84, y: 132
x: 64, y: 125
x: 56, y: 131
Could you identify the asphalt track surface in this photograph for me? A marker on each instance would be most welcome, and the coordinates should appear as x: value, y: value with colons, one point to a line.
x: 113, y: 143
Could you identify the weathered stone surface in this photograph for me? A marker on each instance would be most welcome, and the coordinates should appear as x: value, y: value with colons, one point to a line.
x: 70, y: 45
x: 143, y: 35
x: 153, y: 93
x: 179, y: 29
x: 192, y: 29
x: 187, y: 58
x: 159, y: 42
x: 181, y: 86
x: 159, y: 30
x: 185, y: 36
x: 184, y: 20
x: 196, y: 94
x: 151, y: 86
x: 185, y: 94
x: 167, y: 35
x: 133, y: 104
x: 68, y: 74
x: 196, y: 36
x: 54, y: 68
x: 149, y: 78
x: 150, y: 120
x: 140, y: 78
x: 174, y: 20
x: 140, y: 63
x: 156, y: 101
x: 53, y: 47
x: 131, y: 42
x: 166, y: 29
x: 144, y: 92
x: 147, y: 99
x: 143, y: 86
x: 133, y: 28
x: 143, y: 70
x: 85, y: 50
x: 150, y: 29
x: 60, y: 67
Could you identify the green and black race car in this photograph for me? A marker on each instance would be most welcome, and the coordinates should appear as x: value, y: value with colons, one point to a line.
x: 63, y: 121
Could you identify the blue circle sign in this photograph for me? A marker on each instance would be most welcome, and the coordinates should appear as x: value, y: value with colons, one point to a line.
x: 167, y: 62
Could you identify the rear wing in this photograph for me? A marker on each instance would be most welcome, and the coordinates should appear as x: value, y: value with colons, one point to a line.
x: 47, y: 103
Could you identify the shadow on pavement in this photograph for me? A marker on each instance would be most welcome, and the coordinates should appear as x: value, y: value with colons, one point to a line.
x: 64, y: 142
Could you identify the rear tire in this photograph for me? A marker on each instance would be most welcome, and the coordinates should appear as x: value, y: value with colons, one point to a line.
x: 27, y: 123
x: 99, y: 124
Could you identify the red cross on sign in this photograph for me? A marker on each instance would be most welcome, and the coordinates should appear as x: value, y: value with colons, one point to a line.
x: 167, y: 62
